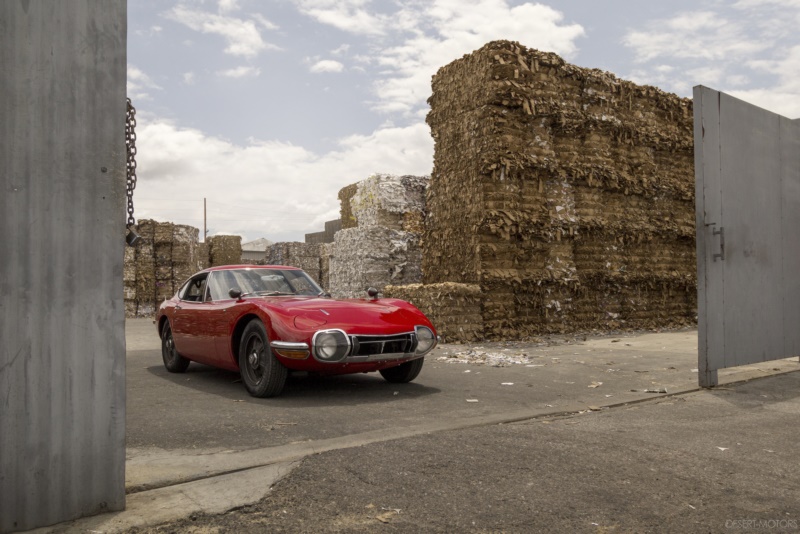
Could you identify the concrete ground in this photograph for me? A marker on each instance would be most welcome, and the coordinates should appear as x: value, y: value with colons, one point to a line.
x: 604, y: 434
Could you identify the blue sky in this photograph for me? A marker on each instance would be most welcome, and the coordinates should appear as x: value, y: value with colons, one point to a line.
x: 267, y: 108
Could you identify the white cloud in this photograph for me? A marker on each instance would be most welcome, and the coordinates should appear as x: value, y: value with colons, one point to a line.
x: 153, y: 30
x: 188, y: 78
x: 240, y: 72
x: 701, y: 34
x: 347, y: 15
x: 226, y: 6
x: 139, y: 84
x: 270, y: 195
x: 726, y: 47
x: 343, y: 49
x: 327, y: 65
x: 243, y: 36
x: 424, y: 35
x: 784, y: 97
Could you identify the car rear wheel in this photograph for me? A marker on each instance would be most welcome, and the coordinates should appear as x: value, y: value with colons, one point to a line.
x: 405, y: 372
x: 173, y: 361
x: 263, y: 375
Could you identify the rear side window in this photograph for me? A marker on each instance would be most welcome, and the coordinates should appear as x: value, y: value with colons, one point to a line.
x: 195, y: 289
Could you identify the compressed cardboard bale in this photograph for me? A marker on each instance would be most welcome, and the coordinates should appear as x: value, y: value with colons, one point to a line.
x: 162, y: 233
x: 130, y: 309
x: 225, y: 250
x: 129, y: 265
x: 385, y: 200
x: 129, y: 290
x: 347, y: 217
x: 203, y: 258
x: 557, y: 189
x: 325, y: 254
x: 454, y: 309
x: 372, y: 257
x: 305, y: 256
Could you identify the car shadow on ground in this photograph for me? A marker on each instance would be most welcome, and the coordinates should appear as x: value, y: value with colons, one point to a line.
x: 302, y: 389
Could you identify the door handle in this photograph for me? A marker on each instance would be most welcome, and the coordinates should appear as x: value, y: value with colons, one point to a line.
x: 721, y: 234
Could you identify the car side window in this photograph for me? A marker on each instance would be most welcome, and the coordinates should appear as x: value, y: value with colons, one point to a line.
x: 219, y: 285
x: 195, y: 289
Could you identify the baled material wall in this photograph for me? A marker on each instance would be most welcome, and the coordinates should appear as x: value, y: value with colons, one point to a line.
x: 62, y: 232
x: 565, y: 193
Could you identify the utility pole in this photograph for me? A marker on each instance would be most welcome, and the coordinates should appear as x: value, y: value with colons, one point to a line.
x: 205, y: 232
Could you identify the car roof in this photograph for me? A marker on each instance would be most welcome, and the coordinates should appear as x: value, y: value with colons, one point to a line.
x: 247, y: 266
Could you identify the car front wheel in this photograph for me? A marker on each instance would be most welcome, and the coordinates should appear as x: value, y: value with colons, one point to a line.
x: 405, y: 372
x: 263, y: 375
x: 174, y: 362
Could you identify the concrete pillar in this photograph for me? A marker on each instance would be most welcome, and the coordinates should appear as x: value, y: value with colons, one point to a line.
x: 62, y: 227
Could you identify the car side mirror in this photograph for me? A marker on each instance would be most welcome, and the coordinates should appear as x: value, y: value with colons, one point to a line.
x: 235, y: 293
x: 372, y: 293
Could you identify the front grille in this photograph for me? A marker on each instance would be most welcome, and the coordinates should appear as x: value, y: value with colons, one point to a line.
x: 376, y: 345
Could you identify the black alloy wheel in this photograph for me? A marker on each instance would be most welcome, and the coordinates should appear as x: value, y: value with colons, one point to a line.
x: 173, y: 361
x: 405, y: 372
x: 262, y: 374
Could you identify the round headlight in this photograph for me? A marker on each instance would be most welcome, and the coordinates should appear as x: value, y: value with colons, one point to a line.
x: 425, y: 339
x: 331, y: 345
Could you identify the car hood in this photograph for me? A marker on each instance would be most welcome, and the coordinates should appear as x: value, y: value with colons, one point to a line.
x: 353, y: 316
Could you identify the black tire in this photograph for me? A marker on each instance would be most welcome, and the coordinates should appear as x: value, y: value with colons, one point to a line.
x: 173, y: 361
x: 405, y: 372
x: 262, y: 374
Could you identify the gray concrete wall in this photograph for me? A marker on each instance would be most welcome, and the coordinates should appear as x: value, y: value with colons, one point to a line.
x: 747, y: 169
x: 62, y: 227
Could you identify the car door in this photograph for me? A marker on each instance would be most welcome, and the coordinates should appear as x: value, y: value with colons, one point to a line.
x: 190, y: 322
x: 221, y: 315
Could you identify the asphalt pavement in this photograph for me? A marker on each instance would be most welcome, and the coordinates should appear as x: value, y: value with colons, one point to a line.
x: 594, y: 434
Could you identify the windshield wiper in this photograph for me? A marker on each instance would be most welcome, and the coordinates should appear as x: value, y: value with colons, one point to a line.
x: 273, y: 293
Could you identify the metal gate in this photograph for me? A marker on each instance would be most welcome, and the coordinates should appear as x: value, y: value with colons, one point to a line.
x: 747, y: 171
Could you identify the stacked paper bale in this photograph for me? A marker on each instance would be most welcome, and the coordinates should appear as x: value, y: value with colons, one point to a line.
x: 347, y: 217
x: 162, y: 248
x: 295, y: 254
x: 325, y: 254
x: 129, y: 281
x: 224, y: 250
x: 155, y: 268
x: 145, y: 267
x: 454, y: 309
x: 565, y: 193
x: 186, y: 258
x: 383, y: 246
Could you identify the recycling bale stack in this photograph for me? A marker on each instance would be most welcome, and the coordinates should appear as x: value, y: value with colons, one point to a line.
x: 383, y: 245
x: 454, y: 309
x: 224, y: 250
x: 325, y: 254
x: 145, y: 269
x: 186, y: 259
x: 167, y: 255
x: 162, y: 248
x: 565, y: 193
x: 305, y: 256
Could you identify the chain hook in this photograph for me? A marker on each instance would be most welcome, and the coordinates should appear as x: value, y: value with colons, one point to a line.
x: 130, y: 147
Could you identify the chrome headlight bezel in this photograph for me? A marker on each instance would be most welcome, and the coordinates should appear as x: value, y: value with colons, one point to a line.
x: 425, y: 342
x: 330, y: 346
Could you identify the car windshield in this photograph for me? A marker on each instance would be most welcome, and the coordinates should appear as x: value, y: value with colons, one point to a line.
x: 264, y: 282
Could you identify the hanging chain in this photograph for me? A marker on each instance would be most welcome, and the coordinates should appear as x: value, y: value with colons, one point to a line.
x: 130, y: 145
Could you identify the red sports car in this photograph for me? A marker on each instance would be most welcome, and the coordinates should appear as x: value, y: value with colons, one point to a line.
x: 265, y: 321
